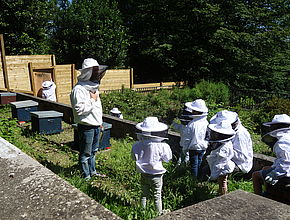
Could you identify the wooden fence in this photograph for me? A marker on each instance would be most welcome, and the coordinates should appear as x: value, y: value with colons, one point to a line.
x: 25, y: 73
x: 148, y: 87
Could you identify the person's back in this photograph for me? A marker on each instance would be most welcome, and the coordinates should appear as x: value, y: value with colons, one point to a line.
x: 196, y: 129
x: 48, y: 90
x: 243, y: 149
x: 149, y: 153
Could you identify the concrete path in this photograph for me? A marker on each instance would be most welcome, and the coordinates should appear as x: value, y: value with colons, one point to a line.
x: 28, y: 190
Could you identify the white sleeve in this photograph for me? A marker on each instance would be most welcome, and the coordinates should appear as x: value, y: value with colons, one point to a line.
x: 192, y: 136
x: 282, y: 162
x: 82, y: 102
x: 167, y: 153
x: 187, y: 138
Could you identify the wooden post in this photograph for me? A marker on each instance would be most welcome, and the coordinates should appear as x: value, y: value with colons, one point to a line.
x: 73, y: 76
x: 3, y: 61
x: 55, y: 81
x: 31, y: 77
x: 131, y: 78
x: 53, y: 60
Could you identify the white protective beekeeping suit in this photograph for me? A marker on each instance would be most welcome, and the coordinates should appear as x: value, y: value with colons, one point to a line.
x: 243, y: 149
x: 195, y: 134
x: 242, y: 142
x: 281, y: 149
x: 220, y: 159
x: 48, y: 90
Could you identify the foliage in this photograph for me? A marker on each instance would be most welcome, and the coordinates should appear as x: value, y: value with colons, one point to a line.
x: 86, y: 28
x: 26, y: 26
x: 120, y: 191
x: 165, y: 104
x: 214, y: 93
x: 277, y: 106
x: 242, y: 43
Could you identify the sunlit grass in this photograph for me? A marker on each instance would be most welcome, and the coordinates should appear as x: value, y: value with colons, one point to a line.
x: 120, y: 190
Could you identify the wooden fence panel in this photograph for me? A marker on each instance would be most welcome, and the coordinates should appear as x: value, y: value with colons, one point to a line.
x: 115, y: 79
x: 18, y: 71
x: 64, y: 82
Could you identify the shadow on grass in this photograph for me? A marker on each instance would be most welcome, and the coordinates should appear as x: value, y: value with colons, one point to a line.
x: 183, y: 188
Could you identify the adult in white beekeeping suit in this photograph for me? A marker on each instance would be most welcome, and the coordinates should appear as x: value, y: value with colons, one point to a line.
x: 242, y: 142
x: 278, y: 137
x: 88, y: 113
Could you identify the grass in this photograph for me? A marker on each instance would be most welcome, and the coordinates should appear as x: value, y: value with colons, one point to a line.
x: 120, y: 190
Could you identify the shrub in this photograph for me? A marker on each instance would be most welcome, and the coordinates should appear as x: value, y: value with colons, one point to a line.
x: 277, y: 106
x: 214, y: 93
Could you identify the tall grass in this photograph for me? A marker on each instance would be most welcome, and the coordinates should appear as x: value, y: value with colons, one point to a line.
x: 120, y: 190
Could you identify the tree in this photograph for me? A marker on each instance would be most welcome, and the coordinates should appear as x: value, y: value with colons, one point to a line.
x: 25, y: 25
x: 87, y: 28
x: 242, y: 43
x: 252, y: 44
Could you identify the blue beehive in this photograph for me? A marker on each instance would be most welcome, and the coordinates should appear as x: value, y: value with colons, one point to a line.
x: 105, y: 136
x: 46, y: 122
x: 21, y: 109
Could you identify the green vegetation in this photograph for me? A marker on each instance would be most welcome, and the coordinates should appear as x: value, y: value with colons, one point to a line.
x: 244, y: 44
x: 120, y: 190
x: 167, y: 104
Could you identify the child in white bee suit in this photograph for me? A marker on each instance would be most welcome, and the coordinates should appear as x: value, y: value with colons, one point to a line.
x: 116, y: 113
x: 277, y: 138
x: 48, y: 90
x: 195, y: 134
x: 181, y: 128
x: 242, y: 142
x: 149, y: 153
x: 221, y: 153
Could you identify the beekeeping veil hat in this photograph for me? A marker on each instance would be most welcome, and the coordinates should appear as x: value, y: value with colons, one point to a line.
x: 115, y: 111
x: 197, y: 105
x: 47, y: 84
x: 220, y: 132
x: 153, y: 129
x: 87, y: 70
x: 276, y: 127
x: 229, y: 116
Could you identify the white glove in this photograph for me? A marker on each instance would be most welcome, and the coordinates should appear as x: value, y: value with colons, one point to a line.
x: 271, y: 178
